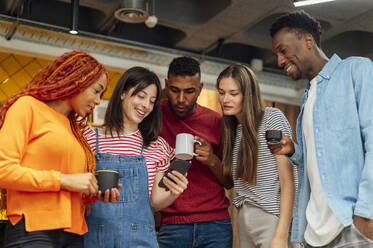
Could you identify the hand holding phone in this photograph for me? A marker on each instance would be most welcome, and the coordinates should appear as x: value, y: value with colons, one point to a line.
x: 179, y: 165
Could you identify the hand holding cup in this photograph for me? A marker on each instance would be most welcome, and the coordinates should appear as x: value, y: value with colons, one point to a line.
x: 273, y: 136
x: 279, y: 146
x: 206, y: 153
x: 108, y: 184
x: 184, y: 148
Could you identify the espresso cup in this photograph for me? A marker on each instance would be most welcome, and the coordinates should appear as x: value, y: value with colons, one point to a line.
x: 184, y: 148
x: 107, y: 179
x: 273, y: 136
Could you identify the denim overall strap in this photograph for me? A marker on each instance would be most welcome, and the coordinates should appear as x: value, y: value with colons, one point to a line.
x: 97, y: 146
x: 129, y: 222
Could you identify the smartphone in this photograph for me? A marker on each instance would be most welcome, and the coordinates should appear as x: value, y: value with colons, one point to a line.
x: 179, y: 165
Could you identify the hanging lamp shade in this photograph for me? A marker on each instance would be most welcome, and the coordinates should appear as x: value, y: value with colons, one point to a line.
x: 132, y: 11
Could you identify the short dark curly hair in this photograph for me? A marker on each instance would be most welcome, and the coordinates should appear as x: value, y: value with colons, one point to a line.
x: 299, y: 22
x: 184, y: 66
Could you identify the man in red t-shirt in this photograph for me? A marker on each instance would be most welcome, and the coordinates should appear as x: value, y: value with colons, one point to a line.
x: 199, y: 217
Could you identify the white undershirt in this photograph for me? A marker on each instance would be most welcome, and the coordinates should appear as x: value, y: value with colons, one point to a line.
x: 323, y: 226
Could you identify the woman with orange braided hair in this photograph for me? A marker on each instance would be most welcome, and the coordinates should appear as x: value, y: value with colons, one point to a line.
x: 45, y: 163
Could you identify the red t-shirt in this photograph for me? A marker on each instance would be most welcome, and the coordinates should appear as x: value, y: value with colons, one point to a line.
x: 204, y: 199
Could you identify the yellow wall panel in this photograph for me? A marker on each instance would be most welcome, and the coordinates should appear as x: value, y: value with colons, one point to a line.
x: 10, y: 65
x: 3, y: 97
x: 209, y: 99
x: 43, y: 62
x: 23, y: 60
x: 10, y: 88
x: 3, y: 56
x: 32, y: 68
x: 3, y: 75
x: 18, y: 71
x: 113, y: 77
x: 21, y: 78
x: 109, y: 91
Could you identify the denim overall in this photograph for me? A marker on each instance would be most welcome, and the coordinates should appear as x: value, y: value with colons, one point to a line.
x: 129, y: 223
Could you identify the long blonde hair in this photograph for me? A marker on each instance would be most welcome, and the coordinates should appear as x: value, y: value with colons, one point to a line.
x: 252, y: 115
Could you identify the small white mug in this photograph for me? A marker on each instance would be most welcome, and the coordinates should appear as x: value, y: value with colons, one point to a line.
x: 184, y: 148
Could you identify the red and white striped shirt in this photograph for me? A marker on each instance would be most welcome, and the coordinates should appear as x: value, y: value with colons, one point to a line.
x: 157, y: 155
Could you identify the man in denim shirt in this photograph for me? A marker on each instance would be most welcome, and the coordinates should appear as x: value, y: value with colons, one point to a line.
x: 334, y: 206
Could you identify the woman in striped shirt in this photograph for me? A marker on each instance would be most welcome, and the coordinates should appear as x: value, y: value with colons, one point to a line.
x: 129, y: 143
x: 264, y: 182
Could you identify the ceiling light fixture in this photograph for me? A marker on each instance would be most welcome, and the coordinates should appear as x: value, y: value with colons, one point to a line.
x: 132, y: 11
x: 152, y: 20
x: 310, y: 2
x: 74, y: 17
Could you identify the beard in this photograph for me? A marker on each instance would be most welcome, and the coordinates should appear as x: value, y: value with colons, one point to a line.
x: 187, y: 110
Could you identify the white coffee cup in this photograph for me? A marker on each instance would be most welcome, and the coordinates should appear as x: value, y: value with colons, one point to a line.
x: 185, y: 146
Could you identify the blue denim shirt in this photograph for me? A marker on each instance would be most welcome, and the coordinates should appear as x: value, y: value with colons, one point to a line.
x: 343, y: 130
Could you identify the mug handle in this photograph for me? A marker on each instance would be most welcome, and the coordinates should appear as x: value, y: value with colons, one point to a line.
x: 196, y: 141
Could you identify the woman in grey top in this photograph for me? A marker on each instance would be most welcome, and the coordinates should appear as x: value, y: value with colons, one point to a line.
x: 264, y: 182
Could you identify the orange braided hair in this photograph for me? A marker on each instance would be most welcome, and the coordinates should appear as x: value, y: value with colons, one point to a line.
x: 66, y: 76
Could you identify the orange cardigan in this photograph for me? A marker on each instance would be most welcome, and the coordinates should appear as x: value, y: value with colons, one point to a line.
x: 36, y: 146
